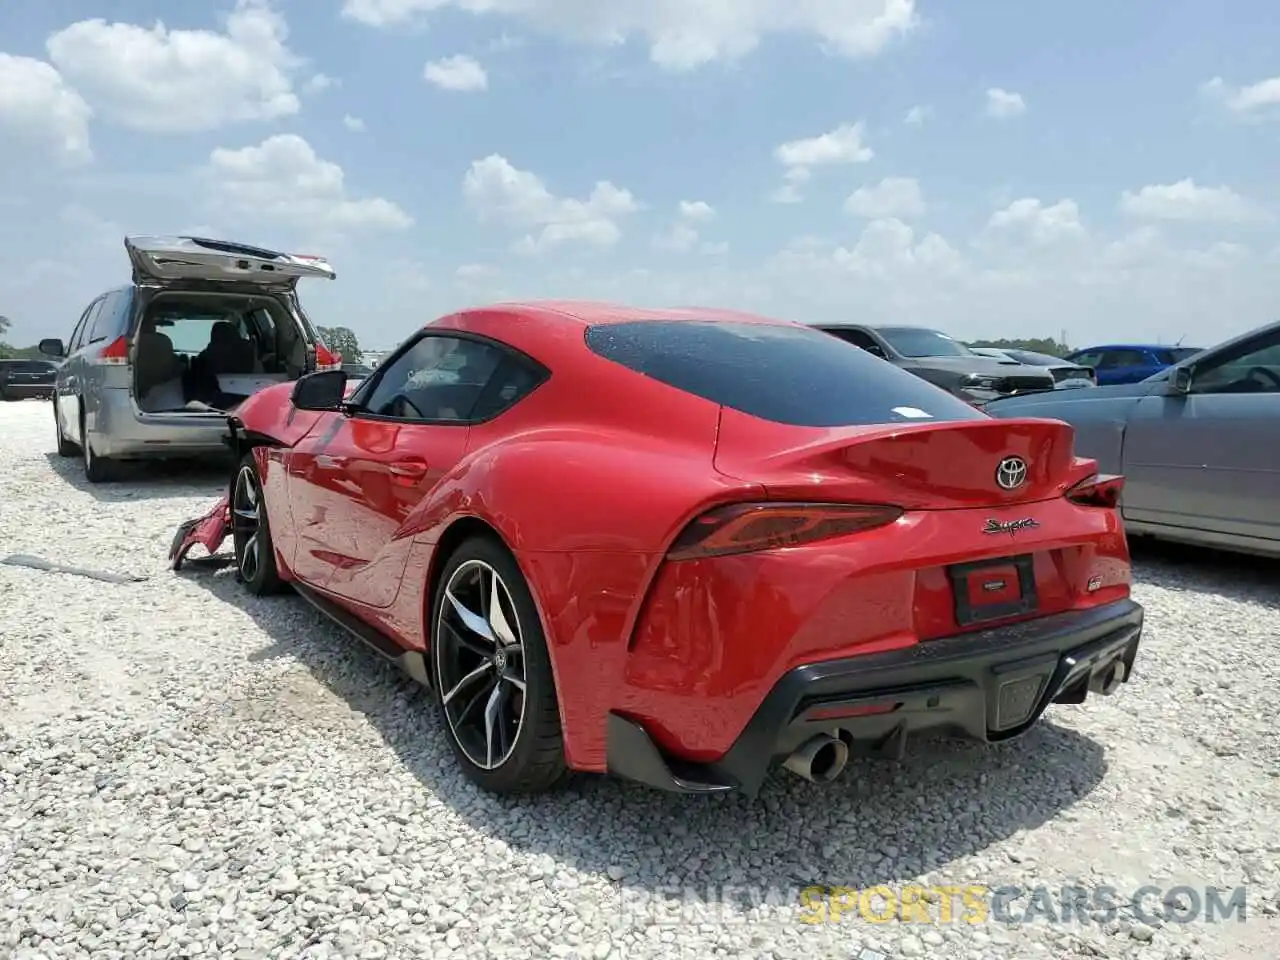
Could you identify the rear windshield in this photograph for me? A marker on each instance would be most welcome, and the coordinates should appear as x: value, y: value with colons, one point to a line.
x: 795, y: 375
x: 923, y: 342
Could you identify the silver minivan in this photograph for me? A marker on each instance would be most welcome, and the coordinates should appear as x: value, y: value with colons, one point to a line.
x: 152, y: 368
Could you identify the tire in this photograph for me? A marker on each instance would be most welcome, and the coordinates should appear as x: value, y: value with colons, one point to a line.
x: 524, y: 752
x: 65, y: 447
x: 251, y: 532
x: 96, y: 469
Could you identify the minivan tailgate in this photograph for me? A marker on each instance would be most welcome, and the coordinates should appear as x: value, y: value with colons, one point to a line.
x: 159, y: 260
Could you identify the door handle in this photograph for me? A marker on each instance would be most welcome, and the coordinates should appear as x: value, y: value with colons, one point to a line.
x: 411, y: 468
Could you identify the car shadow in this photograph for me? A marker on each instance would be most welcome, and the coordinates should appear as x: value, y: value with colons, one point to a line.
x: 945, y: 801
x: 1213, y: 573
x: 148, y: 479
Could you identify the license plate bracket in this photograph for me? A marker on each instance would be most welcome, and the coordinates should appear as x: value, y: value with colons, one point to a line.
x: 986, y: 590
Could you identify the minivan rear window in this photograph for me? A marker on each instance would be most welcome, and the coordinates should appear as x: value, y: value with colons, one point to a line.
x: 788, y: 374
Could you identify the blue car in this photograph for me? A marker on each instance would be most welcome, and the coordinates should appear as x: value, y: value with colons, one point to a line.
x: 1128, y: 362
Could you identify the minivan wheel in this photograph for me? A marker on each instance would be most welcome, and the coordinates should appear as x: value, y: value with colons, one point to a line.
x: 96, y: 469
x: 65, y: 447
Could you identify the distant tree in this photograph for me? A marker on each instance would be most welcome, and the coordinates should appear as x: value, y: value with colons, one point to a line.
x: 1036, y: 345
x: 6, y: 351
x: 342, y: 340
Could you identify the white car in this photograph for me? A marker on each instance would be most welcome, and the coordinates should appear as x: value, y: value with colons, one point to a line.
x: 1066, y: 376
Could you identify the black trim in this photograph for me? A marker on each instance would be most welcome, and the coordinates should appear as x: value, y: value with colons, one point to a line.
x: 989, y: 685
x: 370, y: 384
x: 412, y: 662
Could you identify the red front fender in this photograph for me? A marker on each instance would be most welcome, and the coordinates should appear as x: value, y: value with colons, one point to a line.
x: 209, y: 531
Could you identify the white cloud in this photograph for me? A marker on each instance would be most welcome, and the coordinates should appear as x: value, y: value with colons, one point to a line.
x: 282, y: 179
x: 36, y: 103
x: 160, y: 80
x: 1003, y: 104
x: 498, y: 191
x: 354, y: 124
x: 461, y: 74
x: 320, y: 82
x: 681, y: 35
x: 917, y: 115
x: 1253, y: 102
x: 892, y: 197
x: 684, y: 234
x: 843, y: 145
x: 1042, y: 224
x: 1186, y: 201
x: 698, y: 210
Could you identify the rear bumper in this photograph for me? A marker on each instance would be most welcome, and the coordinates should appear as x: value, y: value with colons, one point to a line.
x: 990, y: 686
x: 121, y: 431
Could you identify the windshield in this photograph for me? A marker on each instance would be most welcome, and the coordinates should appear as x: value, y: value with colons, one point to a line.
x: 922, y: 342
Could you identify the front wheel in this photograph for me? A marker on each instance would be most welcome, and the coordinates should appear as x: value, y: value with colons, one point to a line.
x: 251, y: 532
x: 492, y: 672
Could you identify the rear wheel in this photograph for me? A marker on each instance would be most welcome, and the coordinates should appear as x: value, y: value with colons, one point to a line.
x: 65, y: 447
x: 492, y: 672
x: 96, y: 469
x: 251, y: 532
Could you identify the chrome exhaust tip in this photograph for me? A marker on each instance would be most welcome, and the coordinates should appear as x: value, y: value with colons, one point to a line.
x: 819, y: 760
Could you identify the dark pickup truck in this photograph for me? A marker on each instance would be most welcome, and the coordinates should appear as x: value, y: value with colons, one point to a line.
x: 944, y: 362
x: 26, y: 379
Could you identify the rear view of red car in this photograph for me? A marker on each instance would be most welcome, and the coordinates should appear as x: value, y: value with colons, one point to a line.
x: 684, y: 546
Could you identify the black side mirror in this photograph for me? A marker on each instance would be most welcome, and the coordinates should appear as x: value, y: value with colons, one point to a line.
x: 1180, y: 380
x: 52, y: 347
x: 323, y: 390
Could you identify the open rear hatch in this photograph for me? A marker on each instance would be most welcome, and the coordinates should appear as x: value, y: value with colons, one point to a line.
x: 219, y: 322
x: 160, y: 259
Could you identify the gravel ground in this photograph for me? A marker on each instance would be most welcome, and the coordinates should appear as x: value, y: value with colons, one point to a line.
x: 186, y: 771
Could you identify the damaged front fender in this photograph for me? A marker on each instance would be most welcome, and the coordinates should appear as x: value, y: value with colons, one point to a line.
x: 209, y: 531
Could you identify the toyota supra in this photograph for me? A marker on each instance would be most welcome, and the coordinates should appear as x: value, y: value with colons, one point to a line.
x: 683, y: 547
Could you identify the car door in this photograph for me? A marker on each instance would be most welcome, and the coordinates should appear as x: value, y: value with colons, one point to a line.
x: 406, y: 429
x: 1209, y: 459
x: 72, y: 373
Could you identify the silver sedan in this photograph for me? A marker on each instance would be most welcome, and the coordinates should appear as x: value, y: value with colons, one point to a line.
x: 1198, y: 443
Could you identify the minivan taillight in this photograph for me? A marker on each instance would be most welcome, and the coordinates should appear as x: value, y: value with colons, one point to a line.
x: 1100, y: 490
x: 115, y: 353
x: 327, y: 360
x: 748, y: 527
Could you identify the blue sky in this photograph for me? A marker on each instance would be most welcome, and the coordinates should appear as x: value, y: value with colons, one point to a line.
x: 992, y: 168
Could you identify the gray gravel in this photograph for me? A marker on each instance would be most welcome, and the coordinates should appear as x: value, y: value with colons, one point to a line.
x: 188, y: 772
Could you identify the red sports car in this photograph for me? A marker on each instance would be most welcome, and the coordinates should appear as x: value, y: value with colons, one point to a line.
x: 681, y: 546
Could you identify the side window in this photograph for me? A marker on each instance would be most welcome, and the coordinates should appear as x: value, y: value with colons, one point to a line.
x: 1092, y: 358
x: 439, y: 379
x: 859, y: 339
x: 514, y: 380
x: 82, y: 328
x: 1117, y: 359
x: 1251, y: 367
x: 112, y: 320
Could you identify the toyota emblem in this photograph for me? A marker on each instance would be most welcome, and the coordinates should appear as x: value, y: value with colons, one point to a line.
x: 1011, y: 473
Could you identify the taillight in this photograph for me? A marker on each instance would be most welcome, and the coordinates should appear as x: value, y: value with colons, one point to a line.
x: 1100, y: 490
x: 748, y: 527
x: 325, y: 359
x: 115, y: 353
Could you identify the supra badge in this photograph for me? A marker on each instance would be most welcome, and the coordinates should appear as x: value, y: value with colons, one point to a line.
x: 1010, y: 526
